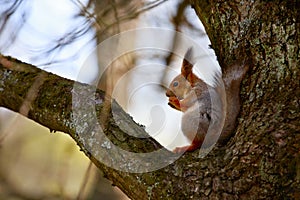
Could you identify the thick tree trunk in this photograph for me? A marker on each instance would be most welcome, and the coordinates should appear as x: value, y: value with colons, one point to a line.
x: 261, y: 161
x: 265, y: 36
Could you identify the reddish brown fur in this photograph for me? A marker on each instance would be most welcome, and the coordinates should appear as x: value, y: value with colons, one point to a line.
x: 187, y: 90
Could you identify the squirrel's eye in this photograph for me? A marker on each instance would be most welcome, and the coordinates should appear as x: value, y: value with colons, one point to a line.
x: 175, y: 84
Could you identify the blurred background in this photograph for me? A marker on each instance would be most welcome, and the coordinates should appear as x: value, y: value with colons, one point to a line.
x: 67, y: 37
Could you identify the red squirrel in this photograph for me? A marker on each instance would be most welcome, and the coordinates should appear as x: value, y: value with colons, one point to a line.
x: 209, y: 112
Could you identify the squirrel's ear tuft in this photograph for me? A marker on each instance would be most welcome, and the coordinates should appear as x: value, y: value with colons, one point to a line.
x: 187, y: 65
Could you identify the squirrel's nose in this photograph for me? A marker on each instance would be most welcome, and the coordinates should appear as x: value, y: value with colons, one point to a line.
x: 169, y: 93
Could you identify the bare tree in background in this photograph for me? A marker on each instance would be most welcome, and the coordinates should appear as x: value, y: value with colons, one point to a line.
x: 113, y: 17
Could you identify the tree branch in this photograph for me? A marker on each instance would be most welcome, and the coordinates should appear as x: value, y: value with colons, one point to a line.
x: 102, y: 130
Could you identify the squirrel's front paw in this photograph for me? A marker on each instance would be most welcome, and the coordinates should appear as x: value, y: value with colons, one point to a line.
x: 174, y: 103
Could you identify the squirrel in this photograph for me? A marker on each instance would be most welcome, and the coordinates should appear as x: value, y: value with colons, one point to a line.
x: 209, y: 112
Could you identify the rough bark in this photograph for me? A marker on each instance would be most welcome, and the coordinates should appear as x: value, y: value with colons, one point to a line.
x: 264, y: 34
x: 261, y: 161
